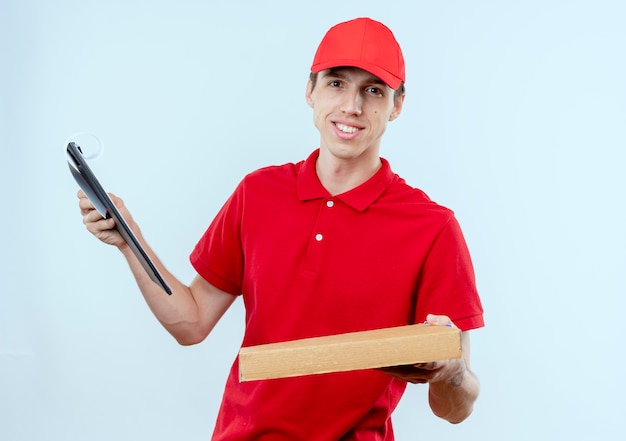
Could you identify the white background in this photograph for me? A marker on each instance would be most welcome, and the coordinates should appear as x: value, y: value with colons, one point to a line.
x: 515, y: 118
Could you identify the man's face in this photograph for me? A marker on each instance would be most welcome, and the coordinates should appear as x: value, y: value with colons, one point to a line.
x: 351, y: 110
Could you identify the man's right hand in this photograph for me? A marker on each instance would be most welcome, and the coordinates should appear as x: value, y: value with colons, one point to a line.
x: 191, y: 312
x: 103, y: 229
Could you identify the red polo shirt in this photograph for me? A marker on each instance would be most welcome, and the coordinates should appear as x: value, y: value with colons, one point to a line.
x: 310, y: 264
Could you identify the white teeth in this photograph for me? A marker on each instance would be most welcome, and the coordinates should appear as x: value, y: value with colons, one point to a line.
x: 346, y: 129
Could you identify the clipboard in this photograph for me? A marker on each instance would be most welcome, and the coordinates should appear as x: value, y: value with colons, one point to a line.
x: 88, y: 182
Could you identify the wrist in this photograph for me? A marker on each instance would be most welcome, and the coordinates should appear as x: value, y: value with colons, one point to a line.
x: 456, y: 380
x: 125, y: 249
x: 455, y: 377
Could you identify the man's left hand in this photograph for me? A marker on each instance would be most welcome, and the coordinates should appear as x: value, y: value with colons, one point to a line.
x: 435, y: 371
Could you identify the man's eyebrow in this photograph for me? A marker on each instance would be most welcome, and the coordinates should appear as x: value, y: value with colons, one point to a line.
x: 336, y: 72
x: 375, y: 80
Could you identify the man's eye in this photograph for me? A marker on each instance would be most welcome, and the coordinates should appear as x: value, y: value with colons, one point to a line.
x: 375, y: 90
x: 334, y: 83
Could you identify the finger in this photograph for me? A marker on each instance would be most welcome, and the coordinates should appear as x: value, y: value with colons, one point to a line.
x: 108, y: 236
x: 99, y: 226
x: 88, y: 210
x: 84, y: 203
x: 91, y: 216
x: 439, y: 320
x: 95, y: 222
x: 403, y: 370
x: 429, y: 366
x: 408, y: 373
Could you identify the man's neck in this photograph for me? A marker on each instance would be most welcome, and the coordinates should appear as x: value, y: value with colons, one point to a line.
x: 338, y: 176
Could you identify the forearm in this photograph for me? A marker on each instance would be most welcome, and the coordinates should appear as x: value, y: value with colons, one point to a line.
x: 453, y: 399
x: 178, y: 312
x: 190, y: 312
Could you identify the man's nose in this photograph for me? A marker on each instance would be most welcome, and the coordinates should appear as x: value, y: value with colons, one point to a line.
x: 352, y: 103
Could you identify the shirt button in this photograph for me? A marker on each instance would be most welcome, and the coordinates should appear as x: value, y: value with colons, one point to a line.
x: 329, y: 204
x: 318, y: 237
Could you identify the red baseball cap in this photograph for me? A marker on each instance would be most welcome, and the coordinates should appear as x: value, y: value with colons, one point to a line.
x: 363, y: 43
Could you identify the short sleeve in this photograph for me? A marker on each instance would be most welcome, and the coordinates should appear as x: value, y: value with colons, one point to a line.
x: 447, y: 283
x: 218, y: 255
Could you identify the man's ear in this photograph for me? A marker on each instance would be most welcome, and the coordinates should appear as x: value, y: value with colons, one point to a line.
x: 309, y: 94
x: 397, y: 108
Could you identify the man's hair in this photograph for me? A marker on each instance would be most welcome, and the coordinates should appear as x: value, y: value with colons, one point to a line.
x: 396, y: 96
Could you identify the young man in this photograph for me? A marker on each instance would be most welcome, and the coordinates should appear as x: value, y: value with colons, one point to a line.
x: 335, y: 243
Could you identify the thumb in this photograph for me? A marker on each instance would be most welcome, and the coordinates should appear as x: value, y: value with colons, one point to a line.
x: 438, y: 320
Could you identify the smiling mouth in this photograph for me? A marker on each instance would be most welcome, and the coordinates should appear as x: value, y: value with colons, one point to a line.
x: 346, y: 129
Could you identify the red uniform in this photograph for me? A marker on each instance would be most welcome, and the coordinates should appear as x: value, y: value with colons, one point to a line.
x: 310, y: 264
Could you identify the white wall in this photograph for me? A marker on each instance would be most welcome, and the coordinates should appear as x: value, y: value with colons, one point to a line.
x: 515, y: 118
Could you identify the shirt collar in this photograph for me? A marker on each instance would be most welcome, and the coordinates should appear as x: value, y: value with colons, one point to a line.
x: 359, y: 198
